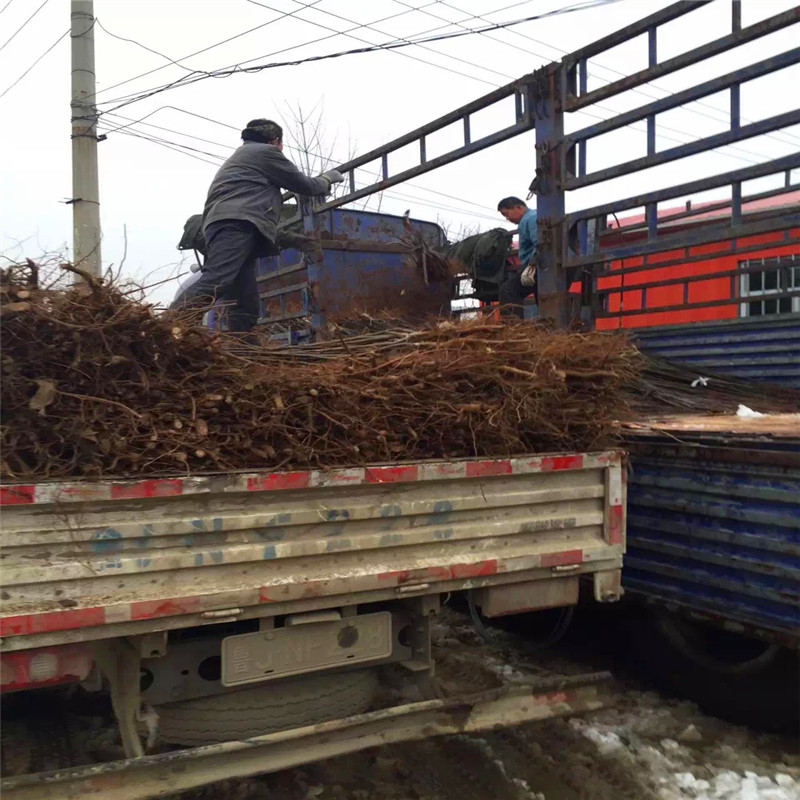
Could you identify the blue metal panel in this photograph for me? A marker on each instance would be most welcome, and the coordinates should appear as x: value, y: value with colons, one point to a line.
x: 359, y: 265
x: 753, y: 348
x: 720, y: 537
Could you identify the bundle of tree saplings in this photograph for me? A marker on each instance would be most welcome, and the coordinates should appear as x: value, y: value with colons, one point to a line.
x: 95, y: 383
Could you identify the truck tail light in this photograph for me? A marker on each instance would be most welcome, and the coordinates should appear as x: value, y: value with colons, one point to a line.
x: 45, y: 666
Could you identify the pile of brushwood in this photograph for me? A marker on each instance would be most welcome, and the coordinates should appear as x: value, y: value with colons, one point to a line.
x: 95, y: 383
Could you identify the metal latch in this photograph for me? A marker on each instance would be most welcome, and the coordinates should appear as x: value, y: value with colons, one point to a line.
x: 221, y: 613
x: 417, y: 587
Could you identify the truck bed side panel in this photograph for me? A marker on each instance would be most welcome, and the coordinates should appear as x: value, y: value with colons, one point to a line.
x: 85, y: 556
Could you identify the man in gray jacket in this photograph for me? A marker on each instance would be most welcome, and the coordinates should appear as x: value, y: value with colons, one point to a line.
x: 240, y: 221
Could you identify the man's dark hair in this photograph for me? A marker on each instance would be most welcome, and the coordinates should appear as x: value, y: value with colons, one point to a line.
x: 510, y: 202
x: 262, y: 130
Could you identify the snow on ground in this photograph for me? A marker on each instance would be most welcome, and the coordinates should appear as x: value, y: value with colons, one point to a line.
x: 685, y: 754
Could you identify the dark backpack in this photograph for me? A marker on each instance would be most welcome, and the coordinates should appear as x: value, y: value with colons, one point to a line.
x: 193, y: 238
x: 484, y: 254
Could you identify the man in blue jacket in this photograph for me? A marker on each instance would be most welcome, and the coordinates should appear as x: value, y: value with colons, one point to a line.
x: 515, y: 289
x: 240, y: 221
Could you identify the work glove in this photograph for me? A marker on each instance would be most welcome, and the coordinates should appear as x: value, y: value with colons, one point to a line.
x: 528, y: 276
x: 333, y: 176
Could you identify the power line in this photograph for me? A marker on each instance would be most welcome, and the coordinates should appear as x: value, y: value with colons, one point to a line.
x: 501, y: 74
x: 376, y: 22
x: 276, y: 52
x: 13, y: 35
x: 169, y: 146
x: 475, y: 16
x: 196, y: 53
x: 370, y: 27
x: 324, y: 38
x: 393, y: 45
x: 6, y: 6
x: 240, y: 67
x: 320, y: 39
x: 405, y: 55
x: 143, y: 47
x: 52, y: 47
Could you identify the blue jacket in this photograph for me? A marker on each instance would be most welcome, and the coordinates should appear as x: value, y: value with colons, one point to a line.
x: 528, y: 236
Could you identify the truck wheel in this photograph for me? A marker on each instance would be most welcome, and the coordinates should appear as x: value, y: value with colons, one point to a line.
x: 266, y: 709
x: 745, y: 682
x: 716, y: 650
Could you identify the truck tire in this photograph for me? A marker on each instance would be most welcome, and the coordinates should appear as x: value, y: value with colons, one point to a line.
x: 758, y: 688
x: 266, y: 709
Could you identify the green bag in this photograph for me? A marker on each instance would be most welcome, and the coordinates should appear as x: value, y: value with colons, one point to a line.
x: 484, y: 254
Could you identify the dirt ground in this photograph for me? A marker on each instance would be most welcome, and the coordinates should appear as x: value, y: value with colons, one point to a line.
x: 647, y: 746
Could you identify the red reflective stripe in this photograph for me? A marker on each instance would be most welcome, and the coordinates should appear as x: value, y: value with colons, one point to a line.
x: 391, y: 474
x: 168, y: 487
x: 433, y: 574
x: 563, y: 558
x: 552, y: 698
x: 341, y: 477
x: 615, y: 518
x: 279, y: 480
x: 165, y: 487
x: 477, y: 469
x: 488, y: 567
x: 148, y: 609
x: 52, y: 621
x: 16, y: 495
x: 561, y: 462
x: 395, y: 576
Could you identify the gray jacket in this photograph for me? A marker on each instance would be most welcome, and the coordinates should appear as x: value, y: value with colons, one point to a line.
x: 248, y: 186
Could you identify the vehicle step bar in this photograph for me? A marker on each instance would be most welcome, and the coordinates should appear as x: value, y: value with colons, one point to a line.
x: 168, y: 773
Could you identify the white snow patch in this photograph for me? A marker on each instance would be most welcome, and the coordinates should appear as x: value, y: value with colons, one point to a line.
x: 744, y: 411
x: 507, y: 672
x: 675, y: 770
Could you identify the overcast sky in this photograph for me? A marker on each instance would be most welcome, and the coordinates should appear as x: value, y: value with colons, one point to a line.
x: 361, y: 102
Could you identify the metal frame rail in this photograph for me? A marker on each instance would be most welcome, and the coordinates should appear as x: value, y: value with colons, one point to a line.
x: 522, y: 92
x: 172, y: 772
x: 543, y: 98
x: 561, y: 162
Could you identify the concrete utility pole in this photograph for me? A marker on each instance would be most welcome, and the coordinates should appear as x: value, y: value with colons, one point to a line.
x: 85, y: 189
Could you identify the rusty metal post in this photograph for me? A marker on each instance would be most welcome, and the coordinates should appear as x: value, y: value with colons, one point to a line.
x: 549, y: 93
x: 314, y: 262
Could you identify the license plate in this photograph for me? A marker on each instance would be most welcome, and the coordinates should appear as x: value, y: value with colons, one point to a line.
x: 309, y: 647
